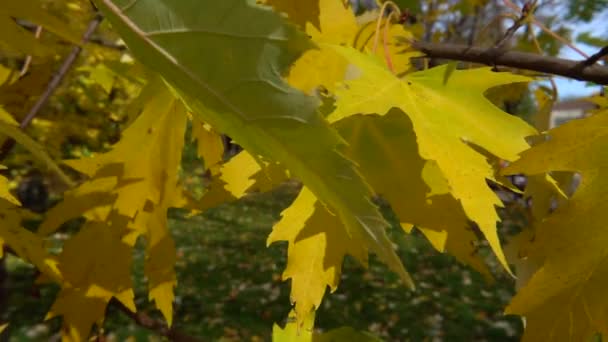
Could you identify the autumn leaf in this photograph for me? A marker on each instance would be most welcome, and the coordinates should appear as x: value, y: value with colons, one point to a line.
x: 542, y: 118
x: 130, y: 189
x: 446, y: 120
x: 95, y: 267
x: 250, y: 101
x: 323, y: 66
x: 564, y: 299
x: 210, y: 146
x: 293, y: 332
x: 385, y: 146
x: 25, y: 244
x: 318, y: 243
x: 339, y: 26
x: 237, y: 177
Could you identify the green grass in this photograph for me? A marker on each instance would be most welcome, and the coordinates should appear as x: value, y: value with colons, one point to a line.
x: 230, y: 287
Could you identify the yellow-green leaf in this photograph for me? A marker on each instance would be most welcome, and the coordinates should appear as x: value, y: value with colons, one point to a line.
x: 294, y: 332
x: 318, y: 243
x: 210, y: 146
x: 130, y: 190
x: 565, y: 299
x: 248, y: 99
x: 324, y: 67
x: 447, y: 120
x: 96, y: 267
x: 387, y: 153
x: 8, y: 128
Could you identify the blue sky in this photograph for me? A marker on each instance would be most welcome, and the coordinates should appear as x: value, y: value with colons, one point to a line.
x: 568, y: 88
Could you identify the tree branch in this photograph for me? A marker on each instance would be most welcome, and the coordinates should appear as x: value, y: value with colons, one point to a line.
x: 522, y: 60
x: 145, y: 321
x: 597, y: 56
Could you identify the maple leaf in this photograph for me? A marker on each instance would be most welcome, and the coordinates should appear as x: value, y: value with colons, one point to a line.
x: 9, y: 127
x: 446, y: 120
x: 130, y: 190
x: 95, y: 267
x: 318, y: 242
x: 542, y: 118
x: 386, y: 146
x: 339, y: 26
x: 25, y: 244
x: 210, y: 146
x: 293, y: 332
x: 248, y: 99
x: 564, y: 299
x: 239, y: 176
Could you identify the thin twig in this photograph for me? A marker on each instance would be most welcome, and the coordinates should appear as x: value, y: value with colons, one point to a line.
x: 519, y: 22
x: 28, y: 59
x: 596, y: 57
x: 473, y: 32
x: 157, y: 326
x: 515, y: 59
x: 52, y: 86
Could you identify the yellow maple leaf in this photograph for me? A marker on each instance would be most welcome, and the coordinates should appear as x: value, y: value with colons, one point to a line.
x: 25, y: 244
x: 318, y: 242
x: 95, y: 266
x: 564, y: 299
x: 135, y: 158
x: 239, y: 176
x: 294, y: 332
x: 130, y: 190
x: 323, y: 66
x: 543, y: 190
x: 542, y: 118
x: 386, y: 146
x: 391, y: 43
x: 210, y: 146
x: 338, y: 25
x: 447, y: 119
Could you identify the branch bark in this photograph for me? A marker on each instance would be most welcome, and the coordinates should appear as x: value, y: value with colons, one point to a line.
x: 578, y: 70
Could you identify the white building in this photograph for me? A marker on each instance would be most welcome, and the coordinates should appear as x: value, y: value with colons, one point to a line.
x: 568, y: 110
